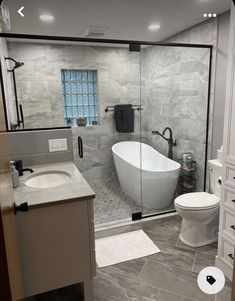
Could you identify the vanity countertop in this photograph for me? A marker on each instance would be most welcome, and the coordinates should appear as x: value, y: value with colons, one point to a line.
x: 75, y: 189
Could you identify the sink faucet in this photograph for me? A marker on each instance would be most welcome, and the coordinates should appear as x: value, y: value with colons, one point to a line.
x: 19, y: 166
x: 170, y: 140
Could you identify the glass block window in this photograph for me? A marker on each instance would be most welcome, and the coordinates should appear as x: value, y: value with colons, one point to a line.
x: 80, y: 96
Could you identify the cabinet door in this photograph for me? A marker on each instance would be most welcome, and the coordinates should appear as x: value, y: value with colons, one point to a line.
x: 229, y: 118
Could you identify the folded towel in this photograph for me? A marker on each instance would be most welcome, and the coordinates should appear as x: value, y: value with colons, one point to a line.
x: 124, y: 118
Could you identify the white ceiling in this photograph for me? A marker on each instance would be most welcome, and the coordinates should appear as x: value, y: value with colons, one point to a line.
x: 125, y: 19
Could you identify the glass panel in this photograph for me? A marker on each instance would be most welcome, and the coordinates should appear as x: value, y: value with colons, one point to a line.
x: 179, y: 101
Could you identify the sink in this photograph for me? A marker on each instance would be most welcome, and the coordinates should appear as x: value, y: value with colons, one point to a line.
x: 48, y: 179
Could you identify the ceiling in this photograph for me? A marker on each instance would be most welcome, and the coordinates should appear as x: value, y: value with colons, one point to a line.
x: 124, y: 19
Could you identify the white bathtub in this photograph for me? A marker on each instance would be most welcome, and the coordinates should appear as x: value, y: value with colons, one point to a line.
x: 155, y: 173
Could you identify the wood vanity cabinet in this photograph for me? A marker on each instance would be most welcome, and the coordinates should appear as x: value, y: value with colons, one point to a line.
x: 226, y: 241
x: 57, y: 246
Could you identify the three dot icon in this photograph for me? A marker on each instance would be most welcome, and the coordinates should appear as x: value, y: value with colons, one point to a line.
x: 210, y: 15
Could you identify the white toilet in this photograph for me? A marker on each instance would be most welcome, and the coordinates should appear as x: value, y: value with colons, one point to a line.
x: 200, y: 211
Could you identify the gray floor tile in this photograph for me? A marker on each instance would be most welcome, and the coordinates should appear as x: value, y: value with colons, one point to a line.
x: 202, y: 261
x: 175, y: 256
x: 166, y: 296
x: 173, y: 279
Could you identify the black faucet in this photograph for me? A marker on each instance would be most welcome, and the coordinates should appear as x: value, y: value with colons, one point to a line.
x: 170, y: 140
x: 19, y: 166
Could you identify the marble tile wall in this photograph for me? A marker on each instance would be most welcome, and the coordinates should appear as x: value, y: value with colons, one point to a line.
x: 175, y: 94
x: 175, y: 90
x: 39, y: 89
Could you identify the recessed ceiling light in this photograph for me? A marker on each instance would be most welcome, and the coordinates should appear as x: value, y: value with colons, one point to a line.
x: 209, y: 15
x: 154, y: 27
x: 46, y: 18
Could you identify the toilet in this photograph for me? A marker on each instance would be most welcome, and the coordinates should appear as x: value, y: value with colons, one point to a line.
x: 200, y: 211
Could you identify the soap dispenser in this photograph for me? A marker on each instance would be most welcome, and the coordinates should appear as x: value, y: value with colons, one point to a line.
x: 14, y: 175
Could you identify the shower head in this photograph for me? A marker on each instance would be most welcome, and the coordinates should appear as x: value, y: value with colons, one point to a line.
x: 17, y: 64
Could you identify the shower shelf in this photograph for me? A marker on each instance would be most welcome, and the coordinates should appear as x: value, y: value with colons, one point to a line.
x: 187, y: 178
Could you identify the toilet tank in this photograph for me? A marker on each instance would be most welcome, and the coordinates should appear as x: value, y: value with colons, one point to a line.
x: 215, y: 168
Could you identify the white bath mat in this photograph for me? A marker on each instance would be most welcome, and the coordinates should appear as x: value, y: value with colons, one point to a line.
x: 123, y: 247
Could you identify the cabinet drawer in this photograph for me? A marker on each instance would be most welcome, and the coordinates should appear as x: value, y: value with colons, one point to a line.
x: 228, y: 196
x: 230, y: 175
x: 226, y: 249
x: 228, y: 222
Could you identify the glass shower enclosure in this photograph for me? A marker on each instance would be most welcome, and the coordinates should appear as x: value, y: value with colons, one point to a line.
x: 138, y: 108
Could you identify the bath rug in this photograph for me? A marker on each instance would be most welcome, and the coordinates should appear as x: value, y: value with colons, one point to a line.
x: 123, y: 247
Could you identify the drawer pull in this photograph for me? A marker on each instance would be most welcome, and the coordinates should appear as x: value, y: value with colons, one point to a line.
x: 233, y: 227
x: 231, y: 256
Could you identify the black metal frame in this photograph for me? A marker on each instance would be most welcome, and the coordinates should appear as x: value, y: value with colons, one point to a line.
x: 133, y: 46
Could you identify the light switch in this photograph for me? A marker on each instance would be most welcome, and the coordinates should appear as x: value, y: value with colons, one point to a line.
x: 57, y: 145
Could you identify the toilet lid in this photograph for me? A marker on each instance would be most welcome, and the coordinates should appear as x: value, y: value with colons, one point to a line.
x: 197, y: 201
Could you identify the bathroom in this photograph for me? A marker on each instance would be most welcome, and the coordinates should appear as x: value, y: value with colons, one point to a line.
x: 170, y: 94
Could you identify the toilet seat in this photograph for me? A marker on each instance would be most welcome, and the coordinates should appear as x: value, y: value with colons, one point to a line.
x: 197, y: 201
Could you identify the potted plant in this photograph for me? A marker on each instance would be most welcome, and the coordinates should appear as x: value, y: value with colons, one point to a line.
x: 69, y: 121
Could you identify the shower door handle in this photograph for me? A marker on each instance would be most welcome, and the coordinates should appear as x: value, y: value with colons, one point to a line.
x: 21, y: 115
x: 80, y: 147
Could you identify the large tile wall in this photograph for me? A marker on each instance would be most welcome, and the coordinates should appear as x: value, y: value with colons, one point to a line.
x: 175, y: 94
x: 40, y: 92
x: 170, y: 93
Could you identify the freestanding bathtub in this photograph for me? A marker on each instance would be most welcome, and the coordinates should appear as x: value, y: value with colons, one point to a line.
x: 145, y: 175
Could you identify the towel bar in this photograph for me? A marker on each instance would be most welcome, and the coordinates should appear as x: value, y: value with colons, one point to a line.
x: 138, y: 108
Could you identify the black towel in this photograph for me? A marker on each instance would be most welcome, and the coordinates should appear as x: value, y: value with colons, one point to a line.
x: 124, y: 118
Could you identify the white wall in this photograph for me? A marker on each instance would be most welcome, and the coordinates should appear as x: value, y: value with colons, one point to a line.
x: 220, y: 82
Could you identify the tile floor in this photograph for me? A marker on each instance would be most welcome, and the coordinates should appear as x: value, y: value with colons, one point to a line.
x: 167, y: 276
x: 112, y: 205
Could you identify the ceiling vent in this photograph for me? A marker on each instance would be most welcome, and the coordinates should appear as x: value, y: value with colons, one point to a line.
x: 94, y: 31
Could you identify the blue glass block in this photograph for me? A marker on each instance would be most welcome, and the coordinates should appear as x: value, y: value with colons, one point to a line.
x: 65, y: 112
x: 89, y: 121
x: 73, y: 89
x: 75, y: 112
x: 84, y: 76
x: 67, y: 75
x: 92, y: 111
x: 90, y: 88
x: 95, y: 99
x: 67, y: 88
x: 63, y: 75
x: 86, y: 111
x: 74, y: 122
x: 79, y: 88
x: 74, y: 100
x: 68, y: 100
x: 91, y: 99
x: 84, y: 88
x: 80, y: 101
x: 95, y: 76
x: 80, y: 111
x: 79, y: 76
x: 85, y: 99
x: 90, y: 76
x: 73, y: 76
x: 69, y: 112
x: 96, y: 111
x: 95, y: 89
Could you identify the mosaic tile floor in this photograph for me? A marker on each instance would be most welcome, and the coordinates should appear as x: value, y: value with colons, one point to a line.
x: 112, y: 205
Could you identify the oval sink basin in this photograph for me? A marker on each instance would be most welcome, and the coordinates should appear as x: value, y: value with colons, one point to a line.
x: 48, y: 179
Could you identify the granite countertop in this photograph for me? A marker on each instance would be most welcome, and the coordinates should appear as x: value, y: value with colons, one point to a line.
x: 75, y: 189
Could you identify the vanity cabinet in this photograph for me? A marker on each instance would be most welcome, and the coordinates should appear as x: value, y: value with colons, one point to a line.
x: 226, y: 240
x: 57, y: 246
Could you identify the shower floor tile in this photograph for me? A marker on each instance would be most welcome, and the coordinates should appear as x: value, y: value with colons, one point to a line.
x: 112, y: 205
